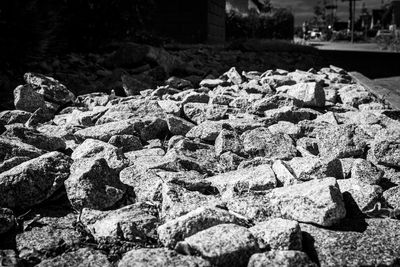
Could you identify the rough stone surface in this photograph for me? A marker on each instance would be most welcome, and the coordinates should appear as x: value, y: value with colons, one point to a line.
x: 241, y: 181
x: 26, y: 99
x: 386, y: 147
x: 11, y: 147
x: 105, y: 131
x: 366, y: 172
x: 93, y: 184
x: 96, y: 149
x: 261, y: 142
x: 178, y: 126
x: 370, y: 243
x: 79, y: 258
x: 50, y: 88
x: 308, y: 168
x: 281, y: 258
x: 160, y: 257
x: 340, y: 142
x: 278, y: 234
x: 363, y: 194
x: 134, y: 222
x: 7, y: 220
x: 126, y: 142
x: 33, y: 181
x: 35, y: 138
x: 177, y: 201
x: 228, y: 141
x: 311, y: 94
x: 392, y: 196
x: 222, y: 245
x: 317, y: 201
x: 195, y: 221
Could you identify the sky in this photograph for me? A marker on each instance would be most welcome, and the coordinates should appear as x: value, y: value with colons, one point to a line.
x: 303, y: 9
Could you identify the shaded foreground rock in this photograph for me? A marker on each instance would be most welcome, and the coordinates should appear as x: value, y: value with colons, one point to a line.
x: 195, y: 221
x: 317, y: 201
x: 281, y: 258
x: 372, y: 243
x: 160, y: 257
x: 93, y: 184
x: 81, y: 257
x: 222, y: 245
x: 134, y: 222
x: 47, y: 173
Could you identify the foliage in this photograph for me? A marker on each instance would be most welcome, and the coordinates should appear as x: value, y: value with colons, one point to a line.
x: 279, y: 25
x: 33, y: 28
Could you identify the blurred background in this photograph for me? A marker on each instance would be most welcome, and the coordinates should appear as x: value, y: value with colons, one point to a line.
x: 76, y: 41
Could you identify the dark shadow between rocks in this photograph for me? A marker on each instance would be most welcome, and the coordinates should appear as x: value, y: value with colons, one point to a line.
x: 309, y: 247
x: 355, y: 218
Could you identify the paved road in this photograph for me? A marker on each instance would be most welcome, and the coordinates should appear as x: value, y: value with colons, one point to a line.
x: 392, y: 83
x: 346, y: 46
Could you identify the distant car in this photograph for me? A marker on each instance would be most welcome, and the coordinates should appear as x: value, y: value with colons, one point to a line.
x: 383, y: 33
x: 315, y: 34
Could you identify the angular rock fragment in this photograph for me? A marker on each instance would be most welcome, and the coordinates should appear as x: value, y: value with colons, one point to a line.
x: 33, y: 181
x: 105, y: 131
x: 354, y: 95
x: 178, y: 126
x: 227, y: 141
x: 285, y: 127
x: 284, y: 173
x: 12, y: 162
x: 308, y: 168
x: 177, y: 201
x: 366, y: 172
x: 133, y: 222
x: 96, y: 149
x: 126, y: 142
x: 261, y: 142
x: 258, y: 178
x: 355, y: 248
x: 38, y: 242
x: 160, y: 257
x: 310, y: 93
x: 392, y: 197
x: 35, y: 138
x: 278, y: 234
x: 9, y: 258
x: 26, y: 99
x: 222, y: 245
x: 281, y: 258
x: 14, y: 116
x: 340, y: 142
x: 363, y: 194
x: 386, y: 147
x: 317, y: 201
x: 195, y: 221
x: 49, y: 87
x: 93, y: 184
x: 80, y: 257
x: 11, y: 147
x: 229, y: 161
x: 146, y: 183
x: 7, y: 220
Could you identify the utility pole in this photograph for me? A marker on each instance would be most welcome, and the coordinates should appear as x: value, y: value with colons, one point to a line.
x: 352, y: 12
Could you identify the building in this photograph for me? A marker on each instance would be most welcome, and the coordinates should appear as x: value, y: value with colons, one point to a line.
x: 192, y: 21
x: 396, y: 13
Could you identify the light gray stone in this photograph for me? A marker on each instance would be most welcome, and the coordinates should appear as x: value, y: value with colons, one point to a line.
x: 278, y: 234
x: 195, y: 221
x: 33, y: 181
x: 222, y: 245
x: 93, y: 184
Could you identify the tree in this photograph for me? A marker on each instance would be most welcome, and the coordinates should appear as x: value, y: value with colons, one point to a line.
x: 263, y: 6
